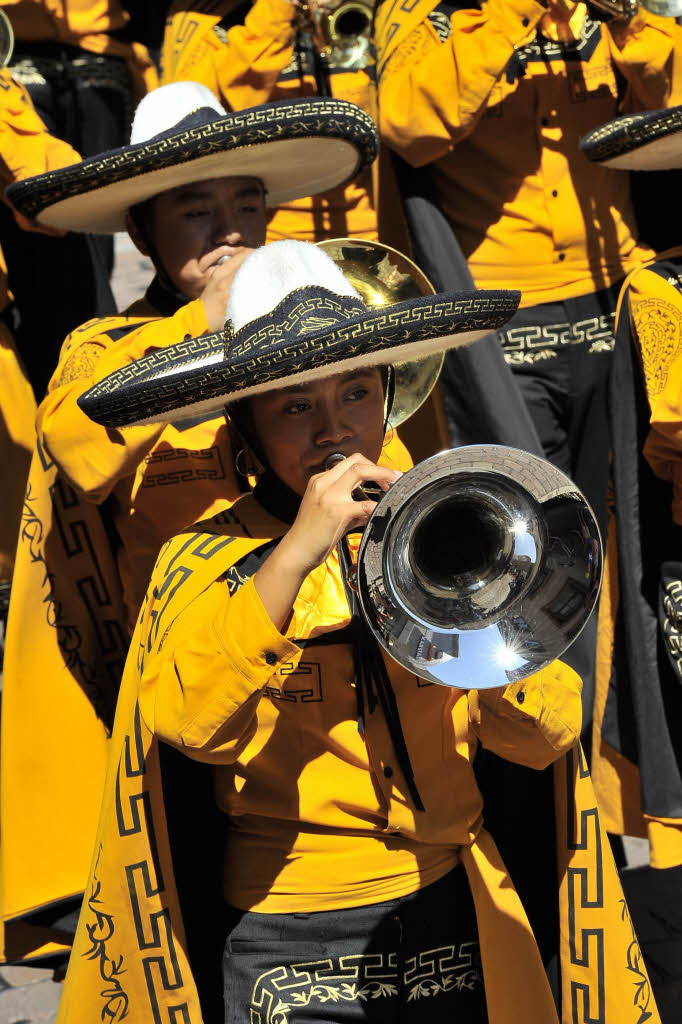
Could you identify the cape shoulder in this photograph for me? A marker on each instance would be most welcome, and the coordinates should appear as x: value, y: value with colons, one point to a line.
x: 231, y: 545
x: 394, y: 21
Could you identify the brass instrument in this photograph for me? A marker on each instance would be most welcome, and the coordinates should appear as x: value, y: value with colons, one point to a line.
x: 341, y: 31
x: 479, y: 566
x: 6, y: 39
x: 625, y: 10
x: 384, y: 276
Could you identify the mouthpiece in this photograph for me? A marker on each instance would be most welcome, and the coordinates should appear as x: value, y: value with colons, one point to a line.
x: 359, y: 493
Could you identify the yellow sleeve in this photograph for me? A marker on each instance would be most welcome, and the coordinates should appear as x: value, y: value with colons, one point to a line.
x: 431, y: 94
x: 200, y: 690
x: 26, y: 146
x: 243, y: 67
x: 644, y: 51
x: 531, y: 722
x: 94, y: 458
x: 656, y: 321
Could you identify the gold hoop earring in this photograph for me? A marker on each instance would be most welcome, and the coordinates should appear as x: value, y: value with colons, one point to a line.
x: 388, y: 436
x: 248, y: 468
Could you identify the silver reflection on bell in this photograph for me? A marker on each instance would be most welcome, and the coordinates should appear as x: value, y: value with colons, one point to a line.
x: 479, y: 566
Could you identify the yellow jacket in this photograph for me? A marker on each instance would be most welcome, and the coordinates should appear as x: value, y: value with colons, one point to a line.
x: 229, y: 712
x: 254, y: 62
x: 496, y: 107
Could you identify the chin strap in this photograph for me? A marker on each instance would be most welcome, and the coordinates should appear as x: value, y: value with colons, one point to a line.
x: 372, y: 684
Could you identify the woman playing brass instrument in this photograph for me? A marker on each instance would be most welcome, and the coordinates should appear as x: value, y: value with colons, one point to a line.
x: 358, y: 877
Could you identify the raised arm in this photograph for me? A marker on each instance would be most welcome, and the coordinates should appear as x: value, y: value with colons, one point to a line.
x: 93, y: 457
x: 647, y: 51
x: 201, y: 688
x: 432, y: 93
x: 240, y: 57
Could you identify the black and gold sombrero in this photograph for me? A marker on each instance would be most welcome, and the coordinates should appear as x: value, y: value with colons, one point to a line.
x: 650, y: 141
x: 181, y: 134
x: 315, y: 325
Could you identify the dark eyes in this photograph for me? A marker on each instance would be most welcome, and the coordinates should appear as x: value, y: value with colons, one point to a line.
x: 297, y: 408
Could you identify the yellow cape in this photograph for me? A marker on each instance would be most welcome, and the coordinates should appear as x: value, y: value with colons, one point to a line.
x: 130, y: 957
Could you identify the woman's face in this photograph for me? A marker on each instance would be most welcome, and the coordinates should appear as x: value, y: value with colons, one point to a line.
x: 192, y: 226
x: 299, y: 426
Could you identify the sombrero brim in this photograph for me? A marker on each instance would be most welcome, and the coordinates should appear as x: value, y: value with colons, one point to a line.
x: 296, y: 147
x: 650, y: 141
x: 195, y: 378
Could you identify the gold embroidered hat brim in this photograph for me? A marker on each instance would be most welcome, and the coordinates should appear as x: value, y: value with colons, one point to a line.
x: 650, y: 141
x: 297, y: 147
x: 312, y: 333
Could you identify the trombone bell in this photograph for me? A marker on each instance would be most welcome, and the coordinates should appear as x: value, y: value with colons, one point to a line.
x: 479, y: 566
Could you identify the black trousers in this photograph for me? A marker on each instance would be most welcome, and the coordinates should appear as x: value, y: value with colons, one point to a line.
x: 560, y: 354
x: 407, y: 960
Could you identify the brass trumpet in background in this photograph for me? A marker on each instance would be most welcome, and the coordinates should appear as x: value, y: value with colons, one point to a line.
x: 341, y: 31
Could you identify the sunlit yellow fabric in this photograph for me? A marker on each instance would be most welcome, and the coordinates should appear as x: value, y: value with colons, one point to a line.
x: 329, y: 830
x: 654, y: 308
x: 530, y: 211
x: 17, y: 435
x: 608, y: 971
x: 244, y: 67
x: 656, y: 316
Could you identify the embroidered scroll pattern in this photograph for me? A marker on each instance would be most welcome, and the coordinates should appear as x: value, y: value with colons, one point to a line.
x: 100, y: 931
x: 364, y: 977
x: 642, y: 994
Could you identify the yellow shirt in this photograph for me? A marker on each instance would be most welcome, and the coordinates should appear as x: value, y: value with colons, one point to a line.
x: 254, y: 62
x: 320, y: 817
x: 530, y: 211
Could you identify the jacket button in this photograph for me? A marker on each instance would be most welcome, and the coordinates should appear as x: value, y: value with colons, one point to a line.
x: 525, y: 22
x: 270, y: 658
x: 388, y: 771
x: 520, y: 696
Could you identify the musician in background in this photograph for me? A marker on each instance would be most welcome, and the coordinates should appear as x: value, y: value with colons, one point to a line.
x: 489, y: 102
x: 637, y: 746
x: 26, y: 148
x: 85, y: 75
x: 248, y: 54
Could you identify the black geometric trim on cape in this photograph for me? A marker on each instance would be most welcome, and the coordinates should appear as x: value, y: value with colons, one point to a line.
x: 630, y: 132
x: 305, y: 332
x: 278, y: 121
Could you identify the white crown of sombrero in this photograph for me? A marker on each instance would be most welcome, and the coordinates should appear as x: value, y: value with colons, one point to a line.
x: 291, y: 317
x: 181, y: 134
x: 650, y: 141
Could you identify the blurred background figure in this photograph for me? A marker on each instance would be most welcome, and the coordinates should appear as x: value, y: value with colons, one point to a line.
x: 26, y: 148
x: 84, y: 73
x: 637, y: 749
x: 269, y: 50
x: 489, y: 103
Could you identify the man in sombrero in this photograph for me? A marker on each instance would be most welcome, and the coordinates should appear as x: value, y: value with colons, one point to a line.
x: 292, y: 829
x: 193, y: 188
x: 637, y: 748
